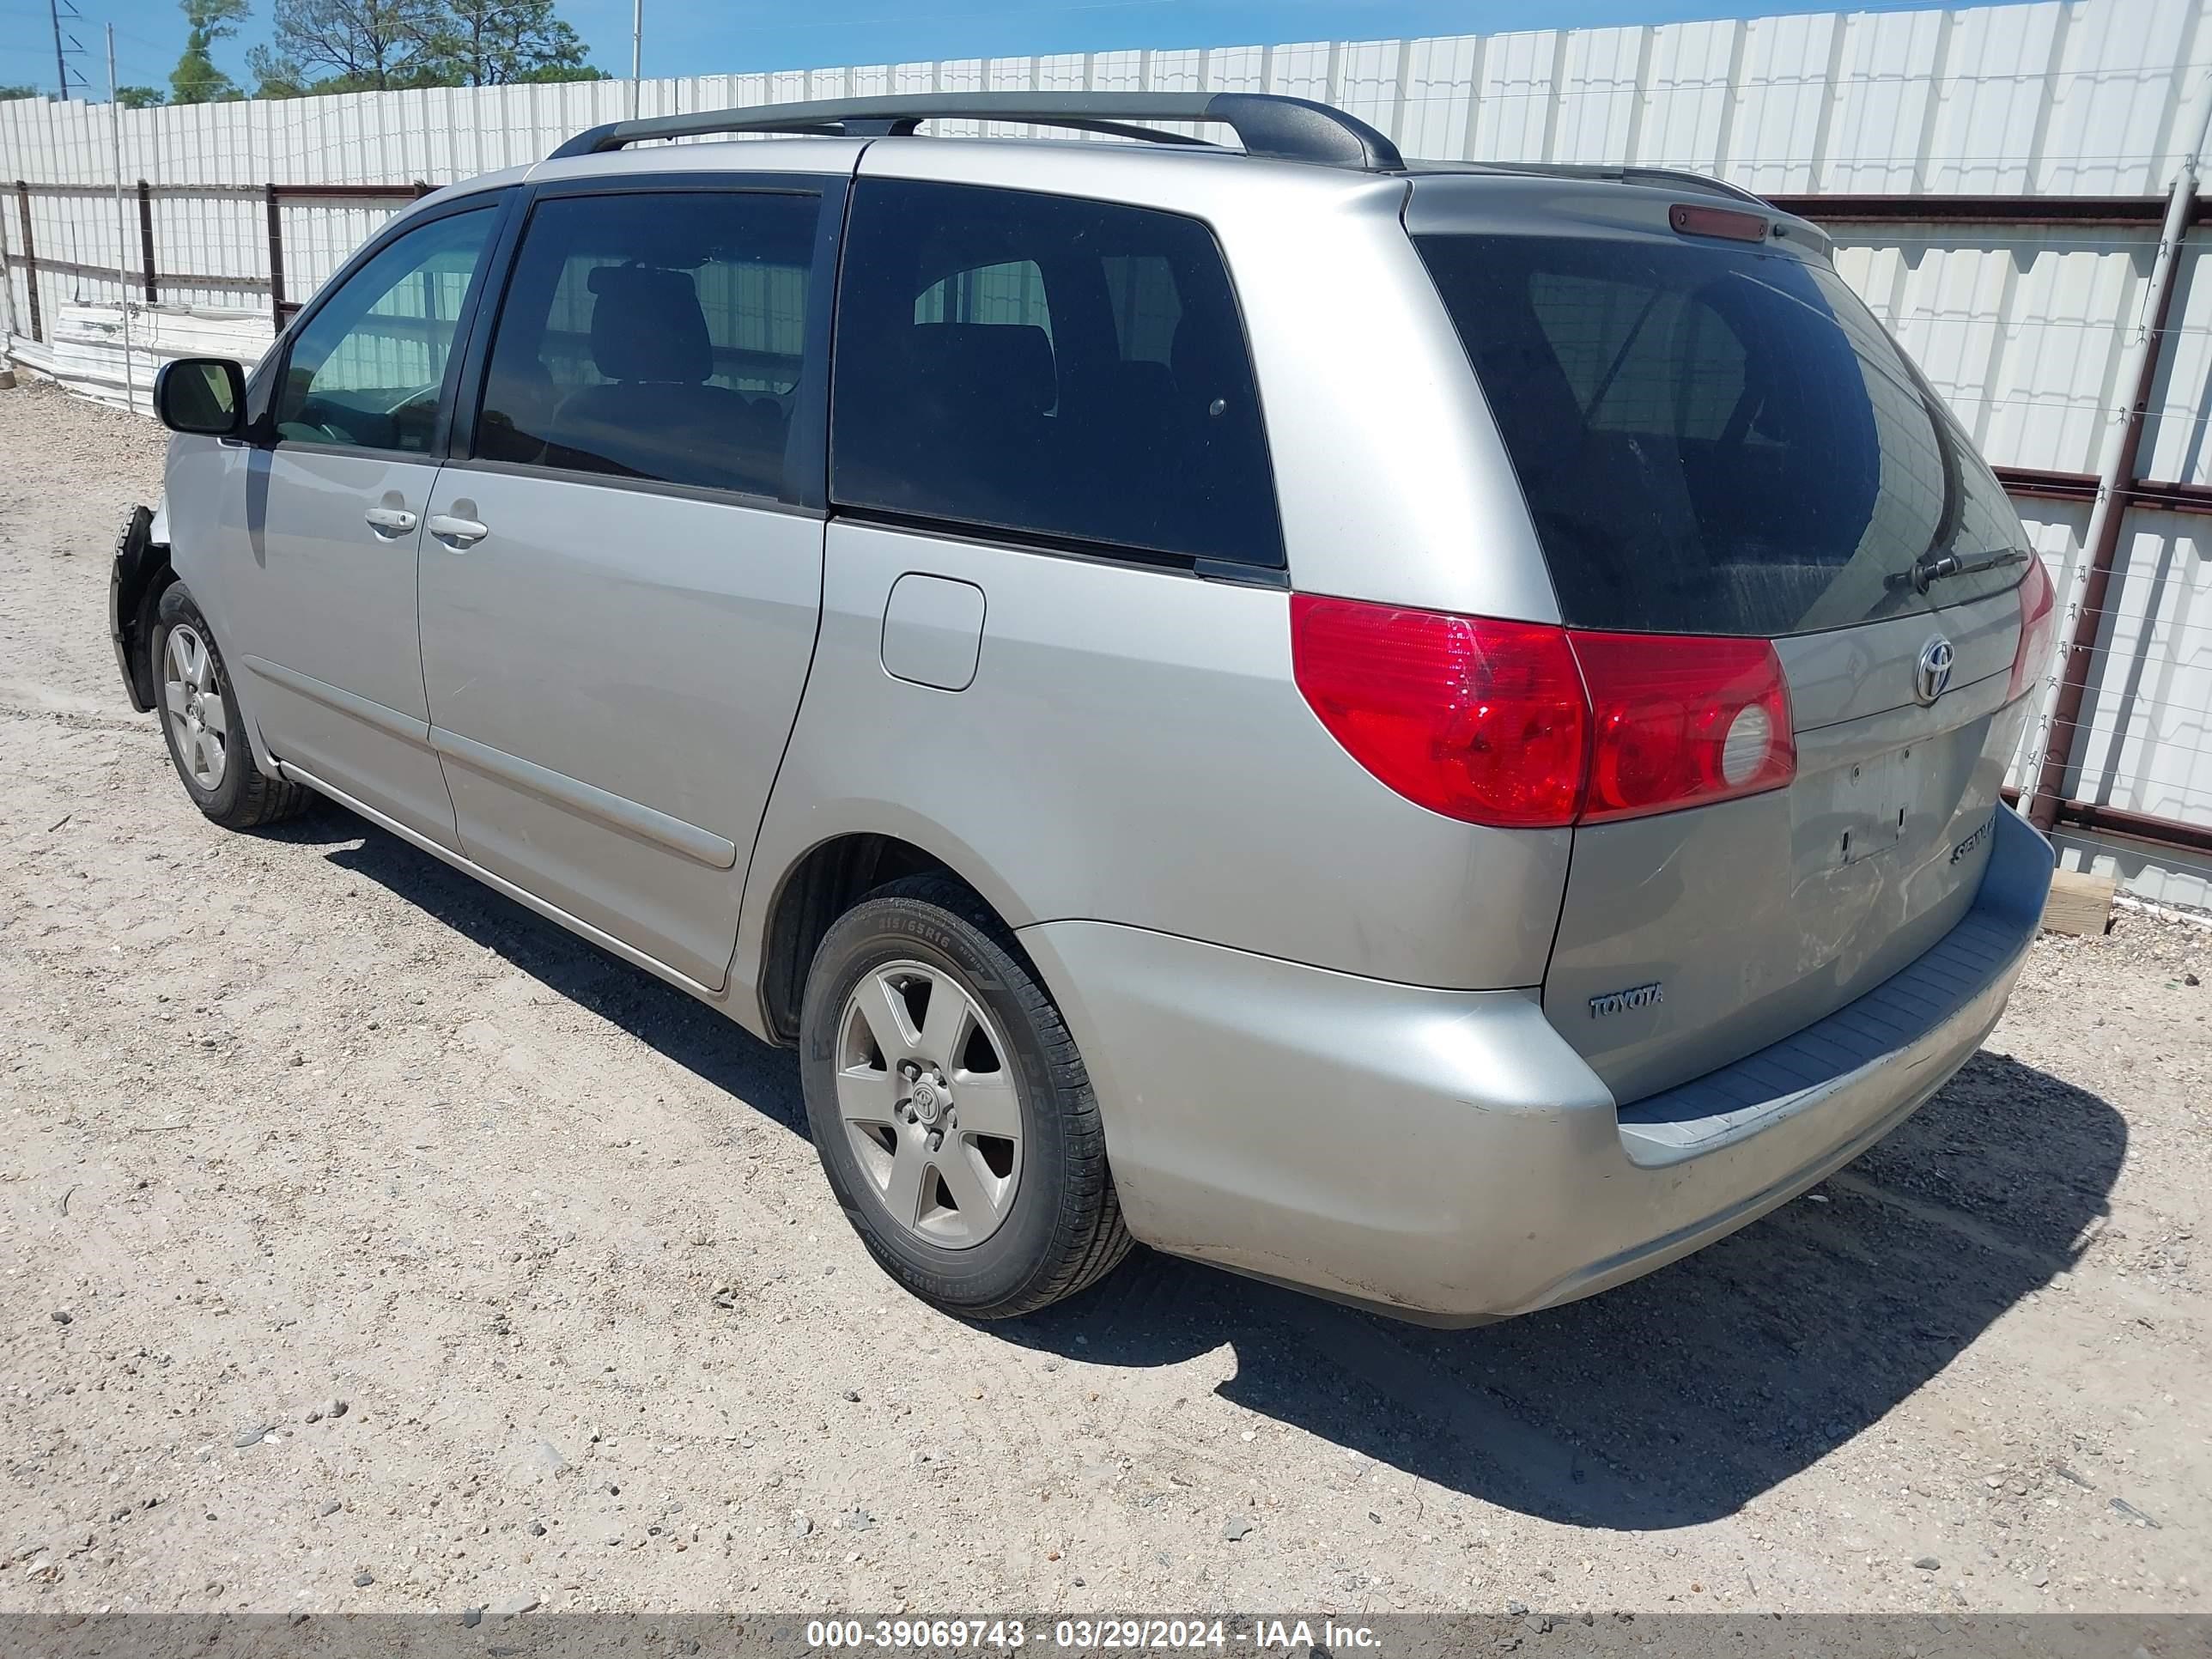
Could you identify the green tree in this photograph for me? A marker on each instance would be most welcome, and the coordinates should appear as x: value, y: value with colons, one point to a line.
x: 547, y: 73
x: 140, y: 97
x: 383, y: 46
x: 196, y: 80
x: 492, y: 43
x: 348, y: 45
x: 8, y: 94
x: 276, y: 75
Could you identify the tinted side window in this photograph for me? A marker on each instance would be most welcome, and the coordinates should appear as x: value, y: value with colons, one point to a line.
x: 654, y: 335
x: 1011, y: 293
x: 1043, y: 364
x: 366, y: 368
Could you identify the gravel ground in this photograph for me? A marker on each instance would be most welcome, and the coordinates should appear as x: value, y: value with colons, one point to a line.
x: 368, y: 1243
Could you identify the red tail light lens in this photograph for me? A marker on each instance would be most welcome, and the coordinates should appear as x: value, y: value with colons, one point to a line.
x: 1680, y: 721
x: 2038, y: 620
x: 1526, y: 726
x: 1480, y: 721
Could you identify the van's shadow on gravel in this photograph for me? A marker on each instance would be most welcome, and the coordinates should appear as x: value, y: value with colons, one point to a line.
x: 682, y: 1027
x: 1677, y: 1398
x: 1670, y: 1401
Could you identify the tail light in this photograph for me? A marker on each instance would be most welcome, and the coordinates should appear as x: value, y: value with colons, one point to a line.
x: 1530, y: 725
x: 1682, y: 721
x: 1476, y: 720
x: 2038, y: 620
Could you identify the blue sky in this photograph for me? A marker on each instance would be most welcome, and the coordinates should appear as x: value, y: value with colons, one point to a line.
x: 697, y: 37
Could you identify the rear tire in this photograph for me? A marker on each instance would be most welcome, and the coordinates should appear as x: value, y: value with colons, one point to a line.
x: 202, y: 726
x: 982, y: 1225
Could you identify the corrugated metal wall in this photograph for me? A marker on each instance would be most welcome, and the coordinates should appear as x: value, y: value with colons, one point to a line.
x: 2082, y: 98
x: 2023, y: 328
x: 2095, y: 97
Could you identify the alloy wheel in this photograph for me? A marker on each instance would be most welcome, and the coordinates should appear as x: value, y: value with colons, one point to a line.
x: 926, y: 1091
x: 197, y: 719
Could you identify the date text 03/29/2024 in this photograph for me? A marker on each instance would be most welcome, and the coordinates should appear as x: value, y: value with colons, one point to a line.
x: 1092, y: 1635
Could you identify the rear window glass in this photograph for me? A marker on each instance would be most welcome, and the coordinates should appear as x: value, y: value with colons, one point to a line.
x: 1716, y: 441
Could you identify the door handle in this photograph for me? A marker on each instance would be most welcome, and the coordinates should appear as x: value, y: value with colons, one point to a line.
x: 389, y: 520
x: 460, y: 532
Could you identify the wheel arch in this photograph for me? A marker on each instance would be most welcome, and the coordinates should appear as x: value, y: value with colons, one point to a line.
x: 241, y: 693
x: 828, y: 878
x: 143, y: 572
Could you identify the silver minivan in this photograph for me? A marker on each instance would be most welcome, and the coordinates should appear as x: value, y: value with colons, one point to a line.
x: 1430, y: 733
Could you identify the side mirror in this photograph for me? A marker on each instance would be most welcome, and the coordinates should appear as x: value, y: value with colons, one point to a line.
x: 205, y: 397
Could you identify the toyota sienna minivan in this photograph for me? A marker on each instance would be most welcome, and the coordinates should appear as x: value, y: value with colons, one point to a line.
x: 1430, y: 733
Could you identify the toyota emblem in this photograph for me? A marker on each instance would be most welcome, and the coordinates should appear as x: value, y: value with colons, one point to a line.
x: 1931, y: 676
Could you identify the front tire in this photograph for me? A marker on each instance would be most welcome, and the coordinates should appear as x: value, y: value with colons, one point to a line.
x: 949, y: 1108
x: 201, y: 722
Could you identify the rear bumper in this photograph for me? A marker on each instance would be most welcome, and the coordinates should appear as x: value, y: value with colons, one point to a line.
x: 1444, y: 1155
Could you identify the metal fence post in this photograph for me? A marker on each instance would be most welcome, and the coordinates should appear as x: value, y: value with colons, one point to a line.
x: 7, y: 291
x: 275, y: 258
x: 2115, y: 486
x: 146, y: 239
x: 30, y: 259
x: 122, y: 234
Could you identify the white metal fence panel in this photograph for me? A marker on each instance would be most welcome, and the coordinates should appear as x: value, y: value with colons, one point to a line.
x: 2148, y: 750
x: 88, y: 355
x: 2023, y: 329
x: 2176, y: 443
x: 2084, y: 97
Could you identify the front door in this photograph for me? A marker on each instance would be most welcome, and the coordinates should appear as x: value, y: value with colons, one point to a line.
x: 620, y: 581
x: 333, y: 508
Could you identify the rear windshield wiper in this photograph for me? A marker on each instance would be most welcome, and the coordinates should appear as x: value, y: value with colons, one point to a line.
x: 1925, y: 571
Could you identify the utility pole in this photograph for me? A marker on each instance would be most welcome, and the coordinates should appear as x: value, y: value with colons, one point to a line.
x: 55, y: 10
x: 122, y: 233
x: 636, y: 53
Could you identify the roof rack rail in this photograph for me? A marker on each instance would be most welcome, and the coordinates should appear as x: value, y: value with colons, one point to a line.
x: 1286, y: 129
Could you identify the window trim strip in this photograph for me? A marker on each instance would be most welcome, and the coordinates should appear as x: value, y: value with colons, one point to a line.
x: 1003, y: 539
x: 565, y: 475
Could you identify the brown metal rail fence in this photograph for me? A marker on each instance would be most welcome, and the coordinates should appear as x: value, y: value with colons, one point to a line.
x: 2050, y: 800
x: 152, y: 279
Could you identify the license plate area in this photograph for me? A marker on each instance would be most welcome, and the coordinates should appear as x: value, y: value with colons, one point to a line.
x: 1870, y: 802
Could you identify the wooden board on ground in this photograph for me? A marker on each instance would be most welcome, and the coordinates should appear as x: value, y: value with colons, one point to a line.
x: 2078, y: 903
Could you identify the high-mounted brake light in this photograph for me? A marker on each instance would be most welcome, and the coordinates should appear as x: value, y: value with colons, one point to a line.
x: 1530, y: 725
x: 1698, y: 221
x: 2038, y: 620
